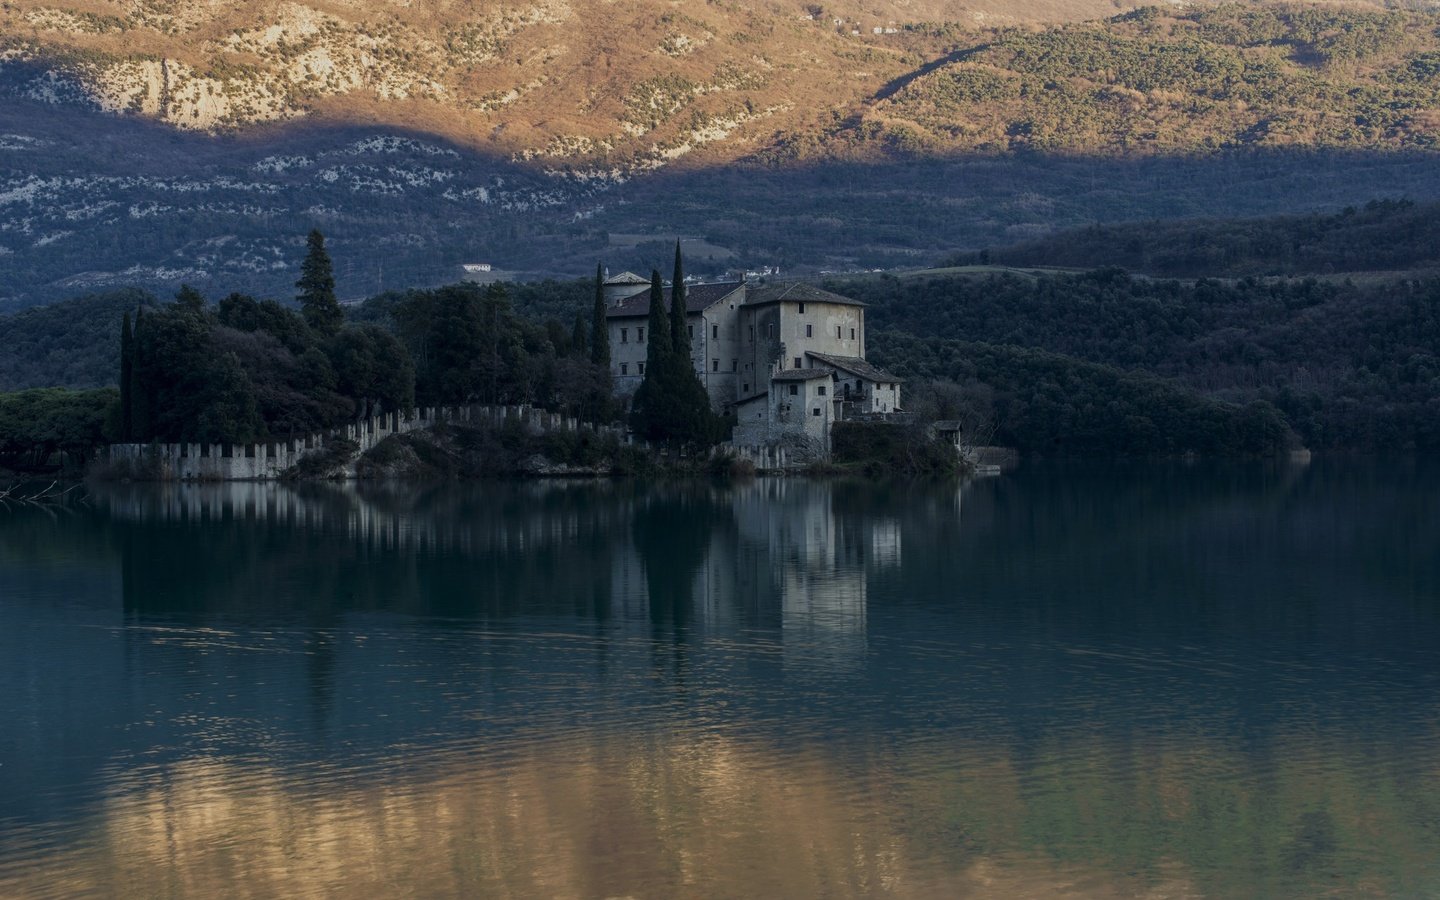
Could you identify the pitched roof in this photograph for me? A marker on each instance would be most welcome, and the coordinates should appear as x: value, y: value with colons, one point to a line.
x: 698, y: 297
x: 855, y: 366
x: 793, y: 292
x: 801, y: 374
x: 626, y: 278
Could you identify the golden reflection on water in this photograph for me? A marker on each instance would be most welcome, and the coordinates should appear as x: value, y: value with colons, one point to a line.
x: 693, y: 816
x: 704, y: 815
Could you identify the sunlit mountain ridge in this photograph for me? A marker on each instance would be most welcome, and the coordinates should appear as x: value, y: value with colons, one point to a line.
x: 153, y: 143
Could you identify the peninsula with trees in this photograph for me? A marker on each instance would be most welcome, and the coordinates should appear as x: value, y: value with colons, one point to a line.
x: 249, y: 379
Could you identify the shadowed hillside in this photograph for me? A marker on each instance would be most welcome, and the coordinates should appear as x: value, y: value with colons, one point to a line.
x: 1380, y: 236
x: 542, y: 138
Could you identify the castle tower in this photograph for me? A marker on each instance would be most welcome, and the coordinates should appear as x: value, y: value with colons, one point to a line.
x: 626, y: 284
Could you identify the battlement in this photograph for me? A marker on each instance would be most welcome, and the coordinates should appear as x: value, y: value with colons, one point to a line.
x: 268, y: 460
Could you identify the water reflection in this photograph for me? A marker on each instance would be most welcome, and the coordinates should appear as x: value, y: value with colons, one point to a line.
x: 694, y: 813
x: 1165, y: 681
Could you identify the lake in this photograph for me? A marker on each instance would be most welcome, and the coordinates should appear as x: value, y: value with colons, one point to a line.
x: 1072, y: 680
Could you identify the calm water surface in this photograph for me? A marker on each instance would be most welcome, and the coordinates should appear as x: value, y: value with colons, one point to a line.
x: 1069, y: 681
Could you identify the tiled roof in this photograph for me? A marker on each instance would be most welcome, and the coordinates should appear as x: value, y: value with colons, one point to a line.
x: 801, y: 374
x: 793, y: 291
x: 854, y: 365
x: 626, y: 278
x: 698, y: 297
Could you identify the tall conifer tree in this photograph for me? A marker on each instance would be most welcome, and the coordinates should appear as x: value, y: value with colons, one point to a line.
x: 317, y: 288
x: 653, y: 405
x: 141, y: 409
x: 599, y: 329
x: 127, y: 370
x: 679, y: 327
x: 659, y: 348
x: 579, y: 338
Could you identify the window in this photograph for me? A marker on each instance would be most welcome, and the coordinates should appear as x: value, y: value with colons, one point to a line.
x: 734, y: 365
x: 794, y: 389
x: 815, y: 411
x: 852, y: 334
x: 820, y: 390
x: 797, y: 362
x: 809, y: 330
x: 714, y: 365
x: 624, y: 335
x: 639, y: 335
x: 640, y: 367
x: 802, y: 309
x: 624, y: 368
x: 837, y: 332
x: 746, y: 388
x: 752, y: 332
x: 690, y: 330
x: 770, y: 330
x: 715, y: 332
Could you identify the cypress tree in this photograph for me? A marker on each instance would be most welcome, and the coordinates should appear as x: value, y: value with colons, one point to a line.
x: 679, y: 327
x: 579, y: 338
x: 599, y: 330
x: 653, y: 407
x: 317, y: 288
x: 141, y: 426
x: 659, y: 348
x: 127, y: 372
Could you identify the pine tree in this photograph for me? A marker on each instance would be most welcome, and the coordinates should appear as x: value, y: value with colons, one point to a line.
x: 189, y: 299
x: 127, y: 372
x: 599, y: 329
x: 679, y: 327
x: 317, y: 288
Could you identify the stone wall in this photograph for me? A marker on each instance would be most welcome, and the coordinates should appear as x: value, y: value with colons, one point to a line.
x: 765, y: 458
x: 272, y: 459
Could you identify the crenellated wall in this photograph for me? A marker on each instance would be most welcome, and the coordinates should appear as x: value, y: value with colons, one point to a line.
x: 766, y: 458
x: 271, y: 459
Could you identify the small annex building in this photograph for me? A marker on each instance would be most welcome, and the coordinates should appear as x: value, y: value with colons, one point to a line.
x: 787, y: 359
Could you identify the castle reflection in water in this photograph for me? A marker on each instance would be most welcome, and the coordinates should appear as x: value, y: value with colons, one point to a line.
x: 791, y: 555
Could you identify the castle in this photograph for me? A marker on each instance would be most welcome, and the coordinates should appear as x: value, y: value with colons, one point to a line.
x: 788, y: 359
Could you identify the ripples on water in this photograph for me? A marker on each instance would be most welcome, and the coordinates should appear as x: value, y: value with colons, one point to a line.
x: 1149, y: 681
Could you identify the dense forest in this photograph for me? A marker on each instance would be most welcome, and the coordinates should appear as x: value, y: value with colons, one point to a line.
x: 1353, y: 367
x: 254, y: 370
x: 471, y: 343
x: 37, y: 423
x: 1382, y: 235
x: 1055, y: 405
x: 244, y: 370
x: 74, y: 343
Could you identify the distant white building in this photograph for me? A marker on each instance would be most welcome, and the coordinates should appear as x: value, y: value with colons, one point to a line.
x: 787, y: 358
x: 476, y: 268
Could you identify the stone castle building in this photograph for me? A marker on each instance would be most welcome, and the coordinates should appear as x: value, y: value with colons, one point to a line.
x: 788, y: 359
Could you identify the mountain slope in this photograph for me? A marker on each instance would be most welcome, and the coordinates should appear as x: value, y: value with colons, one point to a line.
x: 542, y: 136
x: 642, y: 81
